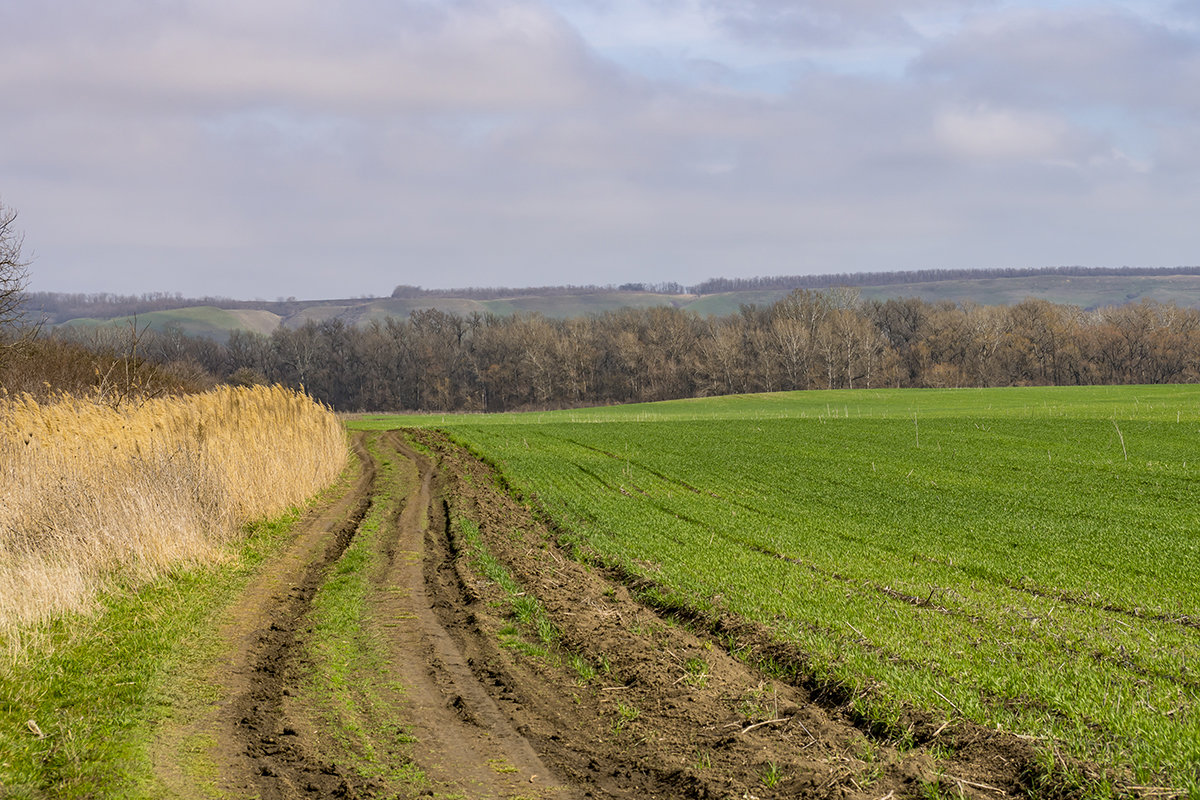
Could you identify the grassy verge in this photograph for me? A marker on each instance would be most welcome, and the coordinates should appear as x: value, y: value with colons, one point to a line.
x: 79, y: 705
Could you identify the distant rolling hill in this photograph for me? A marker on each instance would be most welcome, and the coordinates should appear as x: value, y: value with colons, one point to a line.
x: 208, y: 321
x: 1086, y: 291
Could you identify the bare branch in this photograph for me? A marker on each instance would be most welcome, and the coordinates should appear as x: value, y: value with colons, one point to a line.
x: 13, y: 269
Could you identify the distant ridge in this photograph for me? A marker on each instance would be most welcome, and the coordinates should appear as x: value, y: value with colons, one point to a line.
x: 1086, y: 287
x: 789, y: 282
x: 61, y: 306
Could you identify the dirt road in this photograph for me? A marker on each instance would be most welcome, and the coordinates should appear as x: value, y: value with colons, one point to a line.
x: 483, y: 662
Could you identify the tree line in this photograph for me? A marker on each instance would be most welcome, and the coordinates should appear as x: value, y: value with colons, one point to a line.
x: 439, y: 361
x: 903, y: 278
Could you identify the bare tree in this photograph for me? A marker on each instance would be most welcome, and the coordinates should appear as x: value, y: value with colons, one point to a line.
x: 13, y: 275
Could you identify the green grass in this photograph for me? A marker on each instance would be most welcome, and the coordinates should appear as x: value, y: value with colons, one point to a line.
x: 97, y: 686
x: 1160, y: 403
x: 532, y: 632
x: 1027, y: 557
x: 771, y: 776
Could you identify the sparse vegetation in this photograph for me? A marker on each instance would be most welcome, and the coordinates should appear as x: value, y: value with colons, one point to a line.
x: 625, y: 715
x: 527, y: 612
x: 583, y: 668
x: 771, y: 776
x: 695, y: 671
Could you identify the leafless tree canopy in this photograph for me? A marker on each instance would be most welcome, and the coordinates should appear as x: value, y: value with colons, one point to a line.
x: 13, y: 274
x: 438, y: 361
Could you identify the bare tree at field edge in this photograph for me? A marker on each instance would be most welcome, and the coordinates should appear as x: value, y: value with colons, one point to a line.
x: 13, y: 276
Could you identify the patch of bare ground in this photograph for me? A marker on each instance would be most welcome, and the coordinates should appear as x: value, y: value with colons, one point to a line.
x: 267, y: 754
x: 463, y: 741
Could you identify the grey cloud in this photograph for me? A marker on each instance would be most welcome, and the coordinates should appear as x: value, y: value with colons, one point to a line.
x: 812, y: 24
x: 320, y: 149
x: 485, y: 55
x: 1070, y: 58
x: 1188, y: 9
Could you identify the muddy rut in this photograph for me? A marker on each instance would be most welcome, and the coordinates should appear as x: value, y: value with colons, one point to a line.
x: 499, y: 667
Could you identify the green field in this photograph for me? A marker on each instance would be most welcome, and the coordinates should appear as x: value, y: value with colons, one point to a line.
x: 1027, y: 557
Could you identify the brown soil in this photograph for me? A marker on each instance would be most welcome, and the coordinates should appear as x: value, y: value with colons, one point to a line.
x: 258, y: 631
x: 625, y: 701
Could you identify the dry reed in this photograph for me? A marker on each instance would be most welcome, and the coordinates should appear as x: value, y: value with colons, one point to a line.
x: 90, y: 494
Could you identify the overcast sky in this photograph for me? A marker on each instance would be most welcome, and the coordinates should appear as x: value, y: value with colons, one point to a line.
x: 270, y: 148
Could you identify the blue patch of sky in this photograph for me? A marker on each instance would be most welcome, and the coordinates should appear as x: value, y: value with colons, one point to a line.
x: 685, y: 43
x: 680, y: 43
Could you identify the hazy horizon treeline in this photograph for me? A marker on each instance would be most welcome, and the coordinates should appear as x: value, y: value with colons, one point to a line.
x: 438, y: 361
x: 61, y: 306
x: 787, y: 283
x: 907, y: 277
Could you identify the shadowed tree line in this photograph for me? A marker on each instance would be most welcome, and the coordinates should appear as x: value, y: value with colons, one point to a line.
x: 437, y: 361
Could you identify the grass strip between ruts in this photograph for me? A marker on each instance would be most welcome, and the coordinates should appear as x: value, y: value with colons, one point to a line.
x: 347, y: 687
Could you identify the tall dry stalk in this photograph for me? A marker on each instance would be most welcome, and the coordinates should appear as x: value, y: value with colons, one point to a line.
x: 89, y: 493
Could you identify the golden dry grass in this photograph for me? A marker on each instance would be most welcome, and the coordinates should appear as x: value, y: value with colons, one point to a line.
x: 90, y: 494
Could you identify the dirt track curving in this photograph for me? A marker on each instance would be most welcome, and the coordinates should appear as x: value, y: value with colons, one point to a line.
x: 613, y: 699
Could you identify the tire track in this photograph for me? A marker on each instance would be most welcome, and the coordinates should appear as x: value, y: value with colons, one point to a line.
x: 466, y: 743
x: 233, y: 747
x: 668, y: 710
x: 278, y: 765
